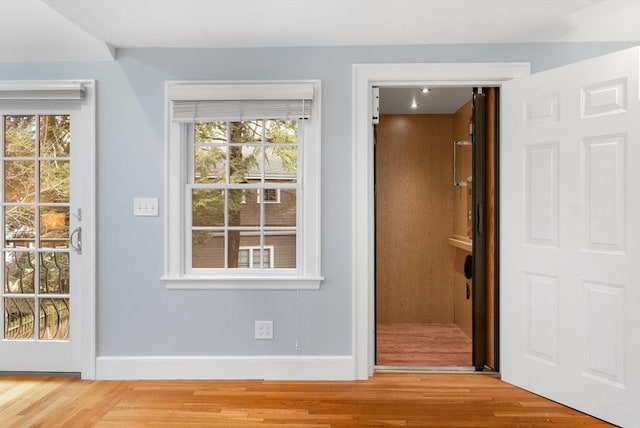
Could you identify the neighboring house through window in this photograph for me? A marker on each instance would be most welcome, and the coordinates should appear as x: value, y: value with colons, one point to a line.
x: 234, y: 142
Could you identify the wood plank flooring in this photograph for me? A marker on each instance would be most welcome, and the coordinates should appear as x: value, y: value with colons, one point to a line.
x: 408, y: 400
x: 433, y: 345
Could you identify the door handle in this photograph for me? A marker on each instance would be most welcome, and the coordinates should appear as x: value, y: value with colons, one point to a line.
x: 480, y: 219
x: 77, y: 233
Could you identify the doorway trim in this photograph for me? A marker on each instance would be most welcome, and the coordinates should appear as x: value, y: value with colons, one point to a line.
x: 364, y: 76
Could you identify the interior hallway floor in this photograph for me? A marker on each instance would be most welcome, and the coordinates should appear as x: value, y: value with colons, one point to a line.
x: 422, y: 345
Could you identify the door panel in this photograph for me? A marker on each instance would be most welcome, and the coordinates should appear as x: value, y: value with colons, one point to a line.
x: 479, y: 228
x: 41, y: 196
x: 570, y: 236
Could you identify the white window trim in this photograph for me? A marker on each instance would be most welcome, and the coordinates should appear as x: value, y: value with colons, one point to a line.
x: 308, y: 273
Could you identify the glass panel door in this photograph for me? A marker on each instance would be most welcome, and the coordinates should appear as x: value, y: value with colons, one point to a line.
x: 36, y: 296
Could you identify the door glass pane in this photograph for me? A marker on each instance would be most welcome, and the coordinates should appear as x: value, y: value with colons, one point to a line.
x: 19, y: 181
x: 19, y: 268
x: 54, y: 273
x: 19, y: 136
x: 54, y: 319
x: 54, y: 181
x: 19, y: 318
x: 55, y: 137
x: 19, y: 224
x: 54, y: 227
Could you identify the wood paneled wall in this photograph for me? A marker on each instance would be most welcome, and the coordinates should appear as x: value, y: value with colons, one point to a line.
x: 463, y: 307
x: 414, y: 218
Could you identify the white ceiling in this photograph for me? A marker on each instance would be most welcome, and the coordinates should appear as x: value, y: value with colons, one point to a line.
x: 443, y: 100
x: 70, y: 30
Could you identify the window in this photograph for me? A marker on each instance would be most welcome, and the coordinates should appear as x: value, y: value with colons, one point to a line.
x: 249, y: 257
x: 234, y: 143
x: 271, y: 196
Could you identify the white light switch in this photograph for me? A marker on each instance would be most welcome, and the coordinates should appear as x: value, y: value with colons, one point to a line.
x: 145, y: 207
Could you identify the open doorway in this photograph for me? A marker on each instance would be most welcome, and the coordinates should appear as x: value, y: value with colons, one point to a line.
x: 434, y: 181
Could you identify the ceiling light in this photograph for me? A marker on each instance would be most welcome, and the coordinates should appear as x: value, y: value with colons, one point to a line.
x: 414, y: 104
x: 425, y: 90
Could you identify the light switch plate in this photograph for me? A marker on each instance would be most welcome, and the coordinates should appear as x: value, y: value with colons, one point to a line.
x: 147, y: 207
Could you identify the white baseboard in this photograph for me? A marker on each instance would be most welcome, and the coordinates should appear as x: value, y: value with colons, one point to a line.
x: 227, y: 367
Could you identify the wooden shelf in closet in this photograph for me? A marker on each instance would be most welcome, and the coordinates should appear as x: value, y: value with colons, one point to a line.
x: 461, y: 242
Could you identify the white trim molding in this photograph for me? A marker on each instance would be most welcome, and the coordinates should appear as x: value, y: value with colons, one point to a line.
x: 226, y: 367
x: 365, y: 76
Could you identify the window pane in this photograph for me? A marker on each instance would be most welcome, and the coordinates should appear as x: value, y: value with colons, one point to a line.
x: 207, y: 207
x: 244, y: 258
x: 238, y: 240
x: 282, y: 213
x: 19, y: 268
x: 19, y: 226
x: 248, y: 131
x: 245, y: 164
x: 54, y: 181
x: 19, y: 316
x: 210, y: 132
x: 243, y: 210
x: 55, y: 137
x: 20, y: 136
x: 54, y: 319
x: 281, y: 164
x: 266, y: 258
x: 210, y: 164
x: 284, y: 248
x: 54, y: 273
x: 207, y: 249
x: 19, y: 184
x: 54, y: 227
x: 281, y: 131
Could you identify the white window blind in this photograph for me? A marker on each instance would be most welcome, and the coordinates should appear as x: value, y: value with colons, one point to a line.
x: 41, y: 90
x: 234, y: 102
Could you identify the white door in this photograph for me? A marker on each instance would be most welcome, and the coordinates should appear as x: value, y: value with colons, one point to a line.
x: 570, y: 236
x: 45, y: 203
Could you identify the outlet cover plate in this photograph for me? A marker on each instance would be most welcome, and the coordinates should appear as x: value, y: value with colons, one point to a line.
x: 145, y: 207
x: 263, y: 330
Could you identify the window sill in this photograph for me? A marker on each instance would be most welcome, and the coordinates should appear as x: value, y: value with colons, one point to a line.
x: 241, y: 283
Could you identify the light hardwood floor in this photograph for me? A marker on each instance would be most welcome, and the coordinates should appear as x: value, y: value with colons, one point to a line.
x: 411, y: 400
x: 419, y: 345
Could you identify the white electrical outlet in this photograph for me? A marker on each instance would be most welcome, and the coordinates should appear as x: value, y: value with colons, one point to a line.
x: 264, y: 330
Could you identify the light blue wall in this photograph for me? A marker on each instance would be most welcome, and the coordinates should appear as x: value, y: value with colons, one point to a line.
x: 137, y: 315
